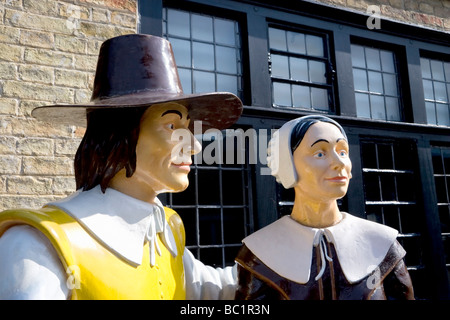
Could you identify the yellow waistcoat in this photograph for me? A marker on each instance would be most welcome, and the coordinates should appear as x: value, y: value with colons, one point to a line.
x: 96, y: 273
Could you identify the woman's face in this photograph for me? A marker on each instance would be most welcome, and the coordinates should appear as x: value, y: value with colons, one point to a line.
x: 322, y: 163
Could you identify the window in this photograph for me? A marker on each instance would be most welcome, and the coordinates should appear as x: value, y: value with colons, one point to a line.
x: 375, y: 79
x: 207, y: 51
x: 300, y: 70
x: 441, y: 167
x: 436, y: 87
x: 216, y: 208
x: 389, y: 178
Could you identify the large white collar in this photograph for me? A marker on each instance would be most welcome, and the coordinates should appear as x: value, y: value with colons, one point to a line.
x: 285, y: 246
x: 120, y: 222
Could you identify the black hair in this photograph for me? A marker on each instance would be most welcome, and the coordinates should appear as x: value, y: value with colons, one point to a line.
x: 108, y: 146
x: 300, y: 128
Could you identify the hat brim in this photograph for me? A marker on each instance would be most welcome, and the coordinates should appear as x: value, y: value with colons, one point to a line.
x: 217, y: 110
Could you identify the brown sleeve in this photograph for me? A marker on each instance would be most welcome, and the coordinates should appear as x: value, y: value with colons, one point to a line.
x: 398, y: 284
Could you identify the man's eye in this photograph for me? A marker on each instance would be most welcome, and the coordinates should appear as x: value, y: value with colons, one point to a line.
x: 343, y: 153
x: 171, y: 126
x: 320, y: 154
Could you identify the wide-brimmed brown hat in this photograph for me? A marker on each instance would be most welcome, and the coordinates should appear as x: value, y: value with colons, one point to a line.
x: 139, y: 70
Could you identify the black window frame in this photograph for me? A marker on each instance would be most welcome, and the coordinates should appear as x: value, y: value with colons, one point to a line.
x: 343, y: 25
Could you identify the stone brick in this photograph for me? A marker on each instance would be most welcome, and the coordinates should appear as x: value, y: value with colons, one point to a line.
x: 35, y: 146
x: 73, y: 11
x: 27, y: 20
x: 27, y: 201
x: 49, y: 166
x: 9, y: 164
x: 26, y: 106
x: 2, y: 184
x: 25, y: 127
x: 37, y: 39
x: 10, y: 52
x: 70, y: 44
x: 28, y: 185
x: 128, y: 5
x: 36, y: 74
x: 9, y: 34
x: 66, y: 146
x: 28, y: 90
x: 102, y: 31
x: 64, y: 185
x: 48, y: 57
x: 70, y: 78
x: 8, y: 106
x: 123, y: 19
x: 101, y: 15
x: 83, y: 95
x: 8, y: 70
x: 85, y: 62
x: 8, y: 145
x: 42, y: 7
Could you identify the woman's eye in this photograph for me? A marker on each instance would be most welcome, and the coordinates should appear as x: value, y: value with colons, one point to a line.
x: 343, y: 153
x: 171, y: 126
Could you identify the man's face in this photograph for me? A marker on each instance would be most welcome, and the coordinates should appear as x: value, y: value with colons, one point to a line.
x: 322, y: 163
x: 163, y: 162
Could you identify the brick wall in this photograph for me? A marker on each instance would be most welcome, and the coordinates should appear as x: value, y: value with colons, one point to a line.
x: 434, y: 14
x: 48, y: 54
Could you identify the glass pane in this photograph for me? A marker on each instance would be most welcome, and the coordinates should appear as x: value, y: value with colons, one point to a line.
x: 431, y: 112
x: 226, y: 59
x: 428, y: 89
x: 296, y: 42
x: 377, y: 106
x: 317, y: 71
x: 373, y: 59
x: 301, y: 97
x: 202, y: 28
x: 358, y: 59
x: 227, y: 83
x: 437, y: 70
x: 185, y: 78
x: 299, y: 69
x: 182, y: 52
x: 203, y: 56
x: 437, y: 161
x: 204, y: 82
x: 280, y: 67
x: 392, y: 109
x: 375, y: 82
x: 360, y: 79
x: 425, y: 65
x: 282, y: 94
x: 443, y: 115
x: 277, y: 39
x: 447, y: 71
x: 387, y: 61
x: 390, y: 84
x: 362, y: 105
x: 314, y: 46
x: 178, y: 23
x: 224, y: 31
x: 319, y: 98
x: 440, y: 91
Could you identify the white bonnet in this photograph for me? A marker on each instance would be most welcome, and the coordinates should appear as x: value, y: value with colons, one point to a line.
x: 279, y: 155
